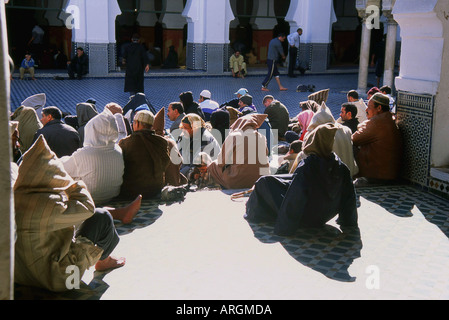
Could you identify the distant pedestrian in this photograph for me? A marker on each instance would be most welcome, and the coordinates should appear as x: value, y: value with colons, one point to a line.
x: 294, y: 41
x: 275, y: 52
x: 136, y: 59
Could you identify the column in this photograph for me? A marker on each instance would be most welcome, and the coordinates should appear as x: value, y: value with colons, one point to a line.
x: 364, y: 58
x: 422, y: 88
x: 208, y: 34
x: 94, y: 30
x: 6, y: 196
x: 390, y: 51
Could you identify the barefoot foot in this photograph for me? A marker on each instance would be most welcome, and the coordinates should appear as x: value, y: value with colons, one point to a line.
x: 110, y: 263
x: 127, y: 214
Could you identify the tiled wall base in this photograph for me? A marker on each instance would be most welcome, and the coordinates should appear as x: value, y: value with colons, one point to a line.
x: 315, y: 56
x: 212, y: 58
x: 102, y: 57
x: 415, y: 120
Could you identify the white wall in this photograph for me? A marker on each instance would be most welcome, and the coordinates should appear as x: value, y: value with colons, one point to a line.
x: 208, y: 21
x: 315, y: 17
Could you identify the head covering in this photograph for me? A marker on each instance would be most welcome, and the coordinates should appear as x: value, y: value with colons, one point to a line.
x: 84, y: 112
x: 234, y: 114
x: 373, y: 90
x: 305, y: 117
x: 246, y: 99
x: 91, y: 100
x: 381, y: 99
x: 242, y: 91
x: 101, y: 130
x: 249, y: 121
x: 205, y: 94
x: 37, y: 102
x: 220, y: 120
x: 194, y: 120
x: 13, y: 126
x: 186, y: 98
x: 144, y: 116
x: 320, y: 141
x: 159, y: 122
x: 291, y: 136
x: 309, y: 104
x: 323, y: 115
x: 29, y: 123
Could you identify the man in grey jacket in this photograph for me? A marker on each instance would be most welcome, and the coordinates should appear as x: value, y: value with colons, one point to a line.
x: 275, y: 52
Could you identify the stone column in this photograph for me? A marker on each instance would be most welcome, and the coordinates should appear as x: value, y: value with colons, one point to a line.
x: 364, y: 58
x: 208, y: 35
x: 6, y: 196
x: 94, y: 30
x: 390, y: 51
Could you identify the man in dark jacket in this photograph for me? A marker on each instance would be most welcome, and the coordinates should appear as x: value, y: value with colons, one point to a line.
x: 136, y: 60
x: 348, y: 115
x: 190, y: 106
x: 79, y: 65
x: 62, y: 139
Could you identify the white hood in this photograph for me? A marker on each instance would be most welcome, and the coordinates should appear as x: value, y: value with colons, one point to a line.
x: 101, y: 130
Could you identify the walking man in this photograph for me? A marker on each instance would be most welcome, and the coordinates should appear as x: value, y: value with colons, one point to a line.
x: 136, y: 60
x: 275, y: 52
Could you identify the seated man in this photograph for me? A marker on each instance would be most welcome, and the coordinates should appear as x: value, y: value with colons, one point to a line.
x: 175, y: 113
x: 237, y: 65
x: 29, y: 123
x: 278, y: 115
x: 319, y: 189
x: 287, y: 161
x: 61, y: 138
x: 190, y: 106
x: 379, y: 144
x: 195, y: 138
x: 342, y: 146
x: 386, y: 90
x: 348, y: 115
x: 79, y: 65
x: 353, y: 97
x: 244, y: 155
x: 207, y: 105
x: 48, y: 206
x: 27, y: 66
x: 235, y: 102
x: 146, y: 156
x: 99, y: 163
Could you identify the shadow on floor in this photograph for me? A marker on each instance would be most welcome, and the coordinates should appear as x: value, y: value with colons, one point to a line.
x: 400, y: 200
x: 327, y: 250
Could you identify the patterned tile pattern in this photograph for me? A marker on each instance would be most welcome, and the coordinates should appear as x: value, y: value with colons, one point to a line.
x: 415, y: 118
x: 327, y: 250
